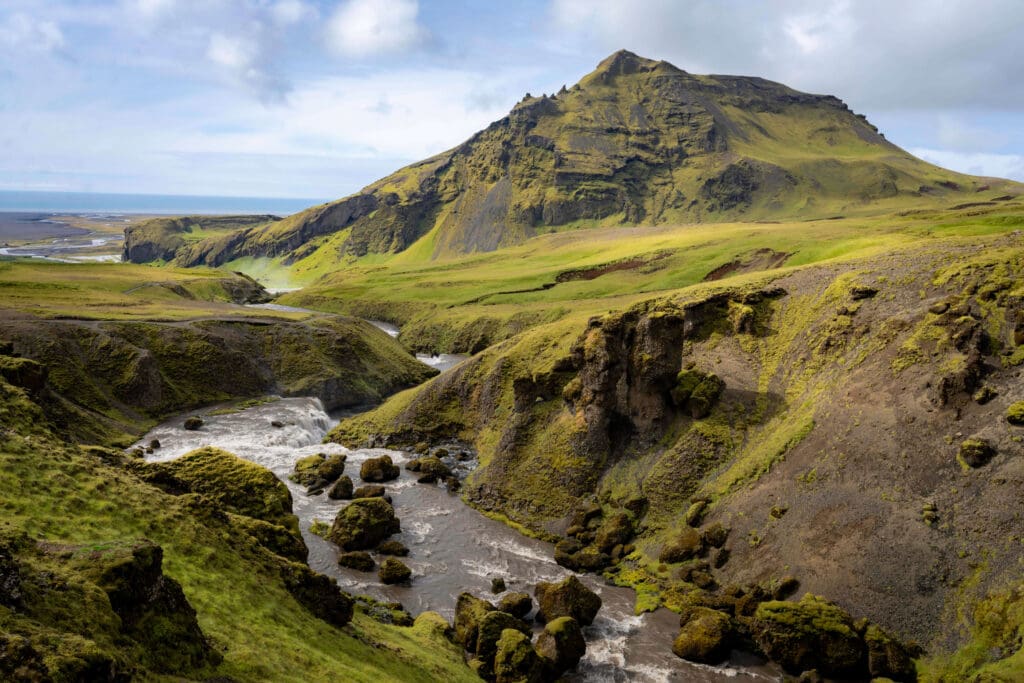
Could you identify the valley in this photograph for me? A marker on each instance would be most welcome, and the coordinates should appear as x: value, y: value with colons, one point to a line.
x: 714, y: 346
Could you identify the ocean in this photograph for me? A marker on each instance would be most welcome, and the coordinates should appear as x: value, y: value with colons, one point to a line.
x: 104, y: 203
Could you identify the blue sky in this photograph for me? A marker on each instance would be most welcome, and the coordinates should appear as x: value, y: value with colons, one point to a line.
x: 304, y: 98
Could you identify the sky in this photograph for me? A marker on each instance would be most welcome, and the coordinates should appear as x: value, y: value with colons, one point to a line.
x: 318, y: 98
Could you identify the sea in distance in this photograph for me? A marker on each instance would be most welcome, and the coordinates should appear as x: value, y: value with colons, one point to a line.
x: 105, y: 203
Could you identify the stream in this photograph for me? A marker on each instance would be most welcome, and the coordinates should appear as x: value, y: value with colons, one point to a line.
x: 453, y: 548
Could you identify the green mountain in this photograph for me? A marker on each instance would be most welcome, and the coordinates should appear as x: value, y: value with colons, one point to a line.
x: 636, y: 142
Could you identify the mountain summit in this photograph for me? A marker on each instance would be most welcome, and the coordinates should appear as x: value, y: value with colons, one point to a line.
x: 634, y: 142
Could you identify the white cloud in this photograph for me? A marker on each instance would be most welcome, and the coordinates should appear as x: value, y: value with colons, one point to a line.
x: 366, y: 28
x: 288, y: 12
x: 231, y: 52
x: 22, y: 32
x: 975, y: 163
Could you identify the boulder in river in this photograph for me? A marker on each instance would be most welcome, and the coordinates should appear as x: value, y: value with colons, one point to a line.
x: 193, y: 423
x: 342, y: 489
x: 516, y: 604
x: 393, y: 571
x: 469, y: 611
x: 431, y: 469
x: 561, y: 645
x: 379, y: 469
x: 363, y: 524
x: 489, y: 632
x: 370, y: 491
x: 395, y: 548
x: 359, y: 560
x: 515, y: 660
x: 305, y: 472
x: 568, y: 598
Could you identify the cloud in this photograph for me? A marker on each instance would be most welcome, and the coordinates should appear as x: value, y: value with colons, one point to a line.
x: 874, y: 53
x: 368, y: 28
x: 21, y: 32
x: 975, y: 163
x: 288, y: 12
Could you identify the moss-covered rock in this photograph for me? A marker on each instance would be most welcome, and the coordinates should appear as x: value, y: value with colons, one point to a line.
x: 317, y: 593
x: 705, y: 636
x: 371, y: 491
x: 489, y: 632
x: 393, y: 571
x: 614, y: 530
x: 687, y: 544
x: 568, y: 598
x: 379, y: 469
x: 341, y: 489
x: 318, y: 470
x: 469, y: 612
x: 193, y: 423
x: 887, y: 657
x: 274, y: 537
x: 810, y: 634
x: 516, y: 661
x: 572, y: 554
x: 232, y: 483
x: 976, y: 452
x: 431, y: 469
x: 697, y: 392
x: 561, y: 645
x: 516, y: 604
x: 395, y: 548
x: 359, y: 560
x: 1015, y: 414
x: 715, y: 535
x: 363, y: 524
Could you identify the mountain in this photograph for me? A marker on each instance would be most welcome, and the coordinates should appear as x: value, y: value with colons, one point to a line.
x: 636, y: 142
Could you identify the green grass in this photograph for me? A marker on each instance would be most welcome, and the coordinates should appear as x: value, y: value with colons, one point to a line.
x: 119, y: 291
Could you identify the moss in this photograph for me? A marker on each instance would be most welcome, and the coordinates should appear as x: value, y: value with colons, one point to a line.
x: 515, y: 660
x: 706, y: 636
x: 1015, y: 414
x: 810, y: 634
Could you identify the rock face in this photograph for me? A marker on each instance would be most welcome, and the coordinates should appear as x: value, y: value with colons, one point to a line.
x: 363, y: 524
x: 568, y: 598
x: 153, y: 608
x: 622, y: 146
x: 379, y: 469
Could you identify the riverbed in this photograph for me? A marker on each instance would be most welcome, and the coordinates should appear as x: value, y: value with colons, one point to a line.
x: 453, y: 548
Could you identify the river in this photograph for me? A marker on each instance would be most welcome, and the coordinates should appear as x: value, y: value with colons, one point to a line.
x: 453, y: 548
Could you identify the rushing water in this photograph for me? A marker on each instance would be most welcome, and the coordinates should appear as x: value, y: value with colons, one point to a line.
x: 453, y: 548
